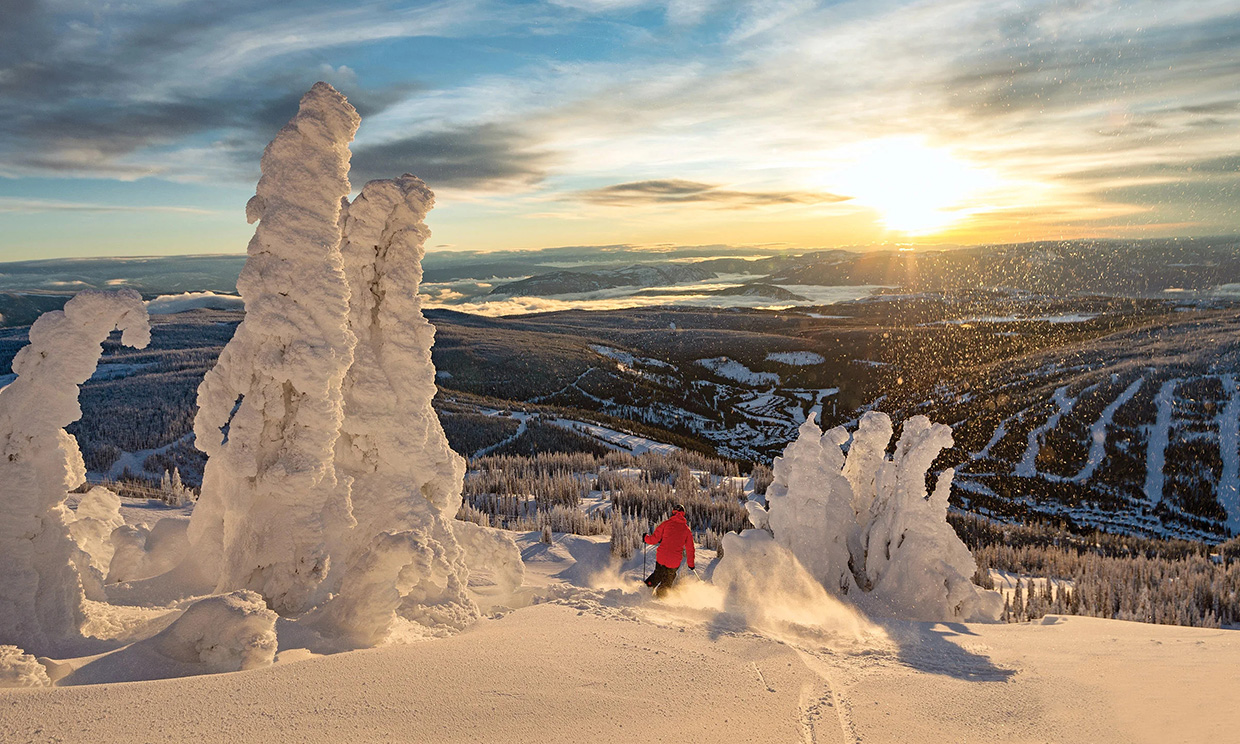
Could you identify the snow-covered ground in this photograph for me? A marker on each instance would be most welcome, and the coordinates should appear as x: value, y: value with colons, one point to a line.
x: 734, y: 370
x: 1160, y: 435
x: 1063, y: 318
x: 179, y: 303
x: 795, y: 358
x: 619, y: 440
x: 1229, y: 449
x: 591, y: 657
x: 628, y: 359
x: 1098, y: 432
x: 1027, y: 467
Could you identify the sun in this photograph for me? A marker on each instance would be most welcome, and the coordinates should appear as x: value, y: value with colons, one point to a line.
x: 916, y: 189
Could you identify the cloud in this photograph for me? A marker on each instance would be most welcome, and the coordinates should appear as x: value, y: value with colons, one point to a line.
x: 17, y: 205
x: 677, y: 191
x: 1164, y: 170
x: 761, y: 91
x: 268, y: 115
x: 95, y: 137
x: 484, y: 156
x: 109, y: 92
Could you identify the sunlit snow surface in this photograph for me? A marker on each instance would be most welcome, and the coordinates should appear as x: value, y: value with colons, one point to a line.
x: 179, y: 303
x: 587, y: 644
x: 737, y: 372
x: 795, y: 358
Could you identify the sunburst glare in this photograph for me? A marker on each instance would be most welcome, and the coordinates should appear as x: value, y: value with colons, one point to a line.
x: 917, y: 189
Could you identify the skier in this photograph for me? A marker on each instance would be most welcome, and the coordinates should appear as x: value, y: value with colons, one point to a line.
x: 673, y: 537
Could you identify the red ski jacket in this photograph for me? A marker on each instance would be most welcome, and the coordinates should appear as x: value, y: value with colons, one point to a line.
x: 672, y: 537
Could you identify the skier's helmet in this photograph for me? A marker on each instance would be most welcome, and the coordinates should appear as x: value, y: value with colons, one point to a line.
x: 678, y: 508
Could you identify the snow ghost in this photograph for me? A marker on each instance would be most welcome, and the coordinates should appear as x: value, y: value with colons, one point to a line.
x: 864, y: 526
x: 272, y: 507
x: 41, y: 596
x: 331, y: 490
x: 402, y: 557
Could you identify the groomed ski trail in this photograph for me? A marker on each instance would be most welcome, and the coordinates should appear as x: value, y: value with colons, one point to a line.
x: 1229, y: 449
x: 1160, y: 434
x: 1098, y: 432
x: 1027, y: 467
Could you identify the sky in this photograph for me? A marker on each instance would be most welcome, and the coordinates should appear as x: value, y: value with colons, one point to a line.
x: 136, y: 128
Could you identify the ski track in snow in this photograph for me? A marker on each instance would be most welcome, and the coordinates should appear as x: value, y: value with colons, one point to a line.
x: 1027, y: 467
x: 523, y: 418
x: 1098, y: 432
x: 1229, y: 448
x: 136, y: 461
x: 843, y: 709
x: 1160, y: 433
x: 1000, y: 433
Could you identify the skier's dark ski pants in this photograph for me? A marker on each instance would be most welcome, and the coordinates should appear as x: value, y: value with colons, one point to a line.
x: 663, y: 579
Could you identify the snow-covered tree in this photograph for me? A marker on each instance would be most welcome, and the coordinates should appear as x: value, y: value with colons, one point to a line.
x: 403, y: 556
x: 41, y: 596
x: 272, y: 507
x: 866, y: 528
x: 331, y: 489
x: 173, y: 490
x: 810, y: 502
x: 915, y: 564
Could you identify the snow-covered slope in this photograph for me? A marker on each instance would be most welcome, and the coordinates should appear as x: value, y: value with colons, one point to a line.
x: 593, y: 659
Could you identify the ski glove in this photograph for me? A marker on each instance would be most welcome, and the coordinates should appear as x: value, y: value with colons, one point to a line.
x: 691, y: 568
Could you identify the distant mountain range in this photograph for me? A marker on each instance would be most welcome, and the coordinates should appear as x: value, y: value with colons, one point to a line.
x: 1196, y: 268
x: 1123, y: 268
x: 147, y: 274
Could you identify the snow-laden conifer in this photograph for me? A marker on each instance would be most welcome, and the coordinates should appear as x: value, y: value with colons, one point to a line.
x: 865, y: 527
x: 272, y: 509
x: 403, y: 556
x: 41, y: 595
